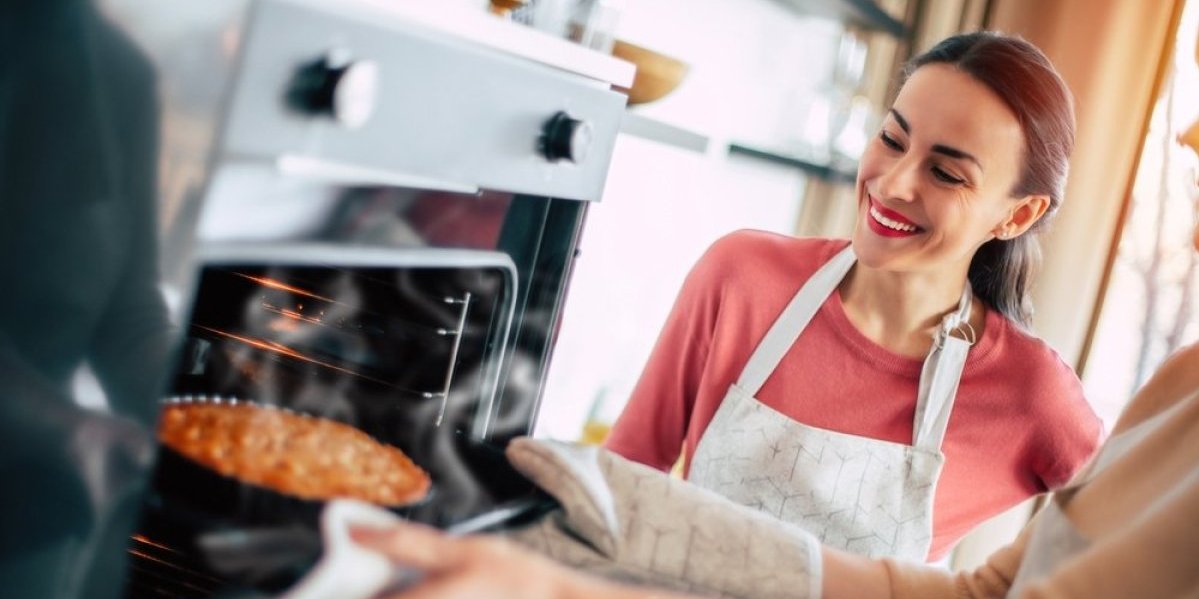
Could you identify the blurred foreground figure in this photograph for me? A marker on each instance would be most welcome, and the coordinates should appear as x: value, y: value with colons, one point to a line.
x: 78, y: 142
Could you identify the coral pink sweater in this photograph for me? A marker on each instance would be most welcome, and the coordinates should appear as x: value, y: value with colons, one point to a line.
x: 1019, y: 426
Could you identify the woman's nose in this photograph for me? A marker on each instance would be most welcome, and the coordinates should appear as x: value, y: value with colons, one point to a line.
x: 901, y: 180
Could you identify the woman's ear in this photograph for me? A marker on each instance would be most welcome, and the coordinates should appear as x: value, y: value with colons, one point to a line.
x: 1027, y: 211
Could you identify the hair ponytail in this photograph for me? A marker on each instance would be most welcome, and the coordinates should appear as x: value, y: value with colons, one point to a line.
x: 1002, y: 272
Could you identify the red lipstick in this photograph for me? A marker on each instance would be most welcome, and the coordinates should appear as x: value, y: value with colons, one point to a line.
x: 889, y: 223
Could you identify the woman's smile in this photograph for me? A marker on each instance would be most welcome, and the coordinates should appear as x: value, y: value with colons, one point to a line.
x: 889, y: 223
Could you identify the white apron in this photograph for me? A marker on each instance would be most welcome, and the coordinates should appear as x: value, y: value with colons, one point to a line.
x: 863, y: 495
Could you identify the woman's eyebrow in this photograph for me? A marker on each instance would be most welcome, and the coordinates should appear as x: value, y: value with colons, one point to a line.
x: 955, y: 153
x: 938, y: 148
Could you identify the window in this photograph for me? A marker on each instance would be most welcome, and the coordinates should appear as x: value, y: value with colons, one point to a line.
x: 1149, y: 308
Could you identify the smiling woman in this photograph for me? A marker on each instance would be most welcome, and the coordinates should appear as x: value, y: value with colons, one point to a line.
x: 943, y: 179
x: 884, y: 393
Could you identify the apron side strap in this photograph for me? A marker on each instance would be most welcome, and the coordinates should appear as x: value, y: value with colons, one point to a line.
x: 793, y: 320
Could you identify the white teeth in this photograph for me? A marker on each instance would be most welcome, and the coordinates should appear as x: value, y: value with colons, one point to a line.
x: 890, y: 224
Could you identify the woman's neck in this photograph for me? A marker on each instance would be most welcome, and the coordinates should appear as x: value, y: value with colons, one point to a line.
x: 900, y: 311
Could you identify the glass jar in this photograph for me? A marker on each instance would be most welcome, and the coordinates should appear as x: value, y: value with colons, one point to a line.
x: 593, y: 23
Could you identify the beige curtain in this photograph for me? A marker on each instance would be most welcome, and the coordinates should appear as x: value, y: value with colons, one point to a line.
x: 1112, y: 54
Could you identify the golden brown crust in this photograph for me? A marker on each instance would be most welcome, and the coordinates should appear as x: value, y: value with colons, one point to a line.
x: 302, y: 456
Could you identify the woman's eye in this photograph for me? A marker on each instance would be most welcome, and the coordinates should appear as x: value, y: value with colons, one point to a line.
x: 943, y: 176
x: 889, y: 141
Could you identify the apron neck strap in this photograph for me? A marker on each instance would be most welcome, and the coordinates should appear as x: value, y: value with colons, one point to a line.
x: 794, y: 319
x: 942, y: 367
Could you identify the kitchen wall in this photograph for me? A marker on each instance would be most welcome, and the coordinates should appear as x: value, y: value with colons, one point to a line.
x: 664, y: 205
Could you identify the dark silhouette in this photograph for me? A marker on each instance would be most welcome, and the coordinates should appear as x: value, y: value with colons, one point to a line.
x: 78, y: 150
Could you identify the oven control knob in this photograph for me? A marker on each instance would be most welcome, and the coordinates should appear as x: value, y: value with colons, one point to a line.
x: 337, y: 87
x: 565, y: 138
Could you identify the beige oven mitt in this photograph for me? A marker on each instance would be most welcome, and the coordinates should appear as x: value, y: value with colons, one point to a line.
x: 630, y: 522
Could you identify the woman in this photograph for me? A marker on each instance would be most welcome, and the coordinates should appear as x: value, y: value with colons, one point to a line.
x: 848, y: 386
x: 1128, y: 526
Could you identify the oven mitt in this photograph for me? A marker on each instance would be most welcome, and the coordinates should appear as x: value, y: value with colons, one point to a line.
x: 630, y: 522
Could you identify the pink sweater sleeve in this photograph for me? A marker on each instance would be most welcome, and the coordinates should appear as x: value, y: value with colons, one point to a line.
x: 1071, y: 432
x: 655, y: 421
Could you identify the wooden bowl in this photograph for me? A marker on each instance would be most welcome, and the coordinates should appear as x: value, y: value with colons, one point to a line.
x: 657, y: 74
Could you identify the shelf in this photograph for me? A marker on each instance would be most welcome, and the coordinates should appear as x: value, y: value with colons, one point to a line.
x: 827, y: 172
x: 664, y: 133
x: 864, y: 13
x: 654, y: 130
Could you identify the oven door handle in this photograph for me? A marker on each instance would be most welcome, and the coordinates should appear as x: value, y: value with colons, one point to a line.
x: 312, y: 167
x: 514, y: 514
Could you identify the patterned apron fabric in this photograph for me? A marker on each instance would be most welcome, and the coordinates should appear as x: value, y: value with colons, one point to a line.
x: 863, y: 495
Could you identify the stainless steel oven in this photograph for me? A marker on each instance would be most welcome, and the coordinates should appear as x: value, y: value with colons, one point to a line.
x: 363, y: 211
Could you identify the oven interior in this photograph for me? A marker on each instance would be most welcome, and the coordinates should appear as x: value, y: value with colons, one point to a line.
x: 413, y: 346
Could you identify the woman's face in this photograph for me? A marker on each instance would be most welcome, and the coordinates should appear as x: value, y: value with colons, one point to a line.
x: 936, y: 182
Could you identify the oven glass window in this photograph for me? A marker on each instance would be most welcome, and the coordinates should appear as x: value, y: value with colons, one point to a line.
x: 423, y: 319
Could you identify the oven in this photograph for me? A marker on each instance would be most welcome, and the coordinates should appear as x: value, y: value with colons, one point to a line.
x: 367, y: 214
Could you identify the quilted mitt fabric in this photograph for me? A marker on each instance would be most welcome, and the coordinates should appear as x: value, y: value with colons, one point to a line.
x: 630, y: 522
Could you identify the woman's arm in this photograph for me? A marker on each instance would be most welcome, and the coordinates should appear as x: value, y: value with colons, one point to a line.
x: 474, y: 567
x: 1153, y: 556
x: 849, y: 576
x: 654, y: 423
x: 1175, y: 380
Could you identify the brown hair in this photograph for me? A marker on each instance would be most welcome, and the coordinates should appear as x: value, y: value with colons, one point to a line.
x: 1020, y: 74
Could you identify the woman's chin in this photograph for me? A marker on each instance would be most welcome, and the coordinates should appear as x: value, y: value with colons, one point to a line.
x: 867, y: 249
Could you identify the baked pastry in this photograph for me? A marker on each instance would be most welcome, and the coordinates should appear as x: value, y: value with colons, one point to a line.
x: 302, y: 456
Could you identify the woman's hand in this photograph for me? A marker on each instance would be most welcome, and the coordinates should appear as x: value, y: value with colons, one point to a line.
x: 478, y: 567
x: 486, y: 568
